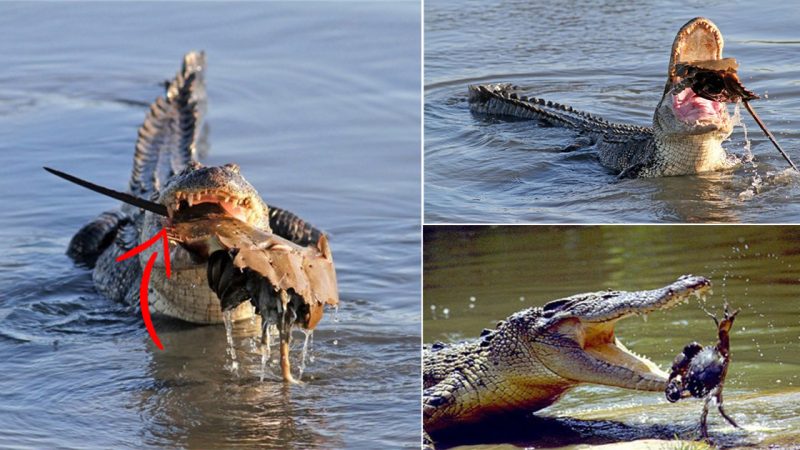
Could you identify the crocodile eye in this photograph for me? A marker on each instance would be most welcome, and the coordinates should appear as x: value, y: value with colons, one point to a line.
x: 232, y: 167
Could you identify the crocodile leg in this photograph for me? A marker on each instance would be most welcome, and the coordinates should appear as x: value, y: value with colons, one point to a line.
x: 94, y: 237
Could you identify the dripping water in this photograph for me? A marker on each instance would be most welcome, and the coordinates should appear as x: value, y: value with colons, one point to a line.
x: 335, y: 322
x: 227, y: 317
x: 266, y: 352
x: 737, y: 120
x: 311, y: 349
x: 308, y: 334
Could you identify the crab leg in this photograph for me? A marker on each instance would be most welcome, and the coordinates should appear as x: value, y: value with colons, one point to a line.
x: 285, y: 329
x: 286, y: 368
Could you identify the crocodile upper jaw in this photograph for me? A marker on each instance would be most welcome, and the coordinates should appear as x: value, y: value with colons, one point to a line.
x: 589, y: 350
x: 689, y: 114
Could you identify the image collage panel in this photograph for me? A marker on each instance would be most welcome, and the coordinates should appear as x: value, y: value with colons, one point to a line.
x: 607, y: 336
x: 244, y: 270
x: 412, y: 224
x: 610, y: 232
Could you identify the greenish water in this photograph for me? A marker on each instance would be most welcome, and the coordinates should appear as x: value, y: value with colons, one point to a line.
x: 475, y: 276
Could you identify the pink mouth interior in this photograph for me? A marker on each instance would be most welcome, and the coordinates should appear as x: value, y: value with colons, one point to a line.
x: 229, y: 207
x: 690, y: 108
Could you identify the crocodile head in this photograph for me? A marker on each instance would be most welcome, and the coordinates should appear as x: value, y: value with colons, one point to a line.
x: 197, y: 192
x: 187, y: 192
x: 690, y: 129
x: 574, y: 337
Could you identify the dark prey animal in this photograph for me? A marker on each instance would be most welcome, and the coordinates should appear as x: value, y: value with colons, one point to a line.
x: 700, y: 371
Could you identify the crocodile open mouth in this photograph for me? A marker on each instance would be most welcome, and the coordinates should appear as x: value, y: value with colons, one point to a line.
x: 605, y: 359
x: 191, y: 205
x: 698, y: 40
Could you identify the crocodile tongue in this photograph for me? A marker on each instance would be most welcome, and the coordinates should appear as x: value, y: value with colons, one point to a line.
x: 690, y: 107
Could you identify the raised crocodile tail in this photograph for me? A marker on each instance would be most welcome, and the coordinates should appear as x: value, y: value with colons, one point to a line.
x: 287, y: 225
x: 506, y: 99
x: 172, y: 130
x: 168, y: 140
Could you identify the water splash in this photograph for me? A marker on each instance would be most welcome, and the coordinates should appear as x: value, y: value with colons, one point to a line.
x: 757, y: 183
x: 227, y: 318
x: 737, y: 120
x: 756, y: 186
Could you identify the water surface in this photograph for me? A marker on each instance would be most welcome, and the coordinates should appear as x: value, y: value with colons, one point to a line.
x: 476, y: 276
x: 607, y: 58
x: 319, y: 104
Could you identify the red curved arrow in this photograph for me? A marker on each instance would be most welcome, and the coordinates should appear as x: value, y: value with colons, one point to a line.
x: 148, y: 323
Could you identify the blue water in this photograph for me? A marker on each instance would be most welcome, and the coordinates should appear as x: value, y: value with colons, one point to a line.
x: 607, y: 58
x: 320, y: 105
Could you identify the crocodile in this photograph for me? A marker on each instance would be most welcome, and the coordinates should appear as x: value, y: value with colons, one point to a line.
x: 687, y: 131
x: 166, y: 171
x: 536, y: 355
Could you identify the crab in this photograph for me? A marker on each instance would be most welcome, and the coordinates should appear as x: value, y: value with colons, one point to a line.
x: 700, y: 371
